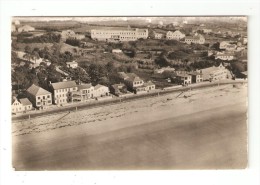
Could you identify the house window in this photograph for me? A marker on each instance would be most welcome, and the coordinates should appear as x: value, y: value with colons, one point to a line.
x: 43, y: 97
x: 48, y: 96
x: 38, y: 97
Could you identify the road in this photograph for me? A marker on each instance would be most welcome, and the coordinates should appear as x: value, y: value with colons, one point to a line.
x: 77, y: 106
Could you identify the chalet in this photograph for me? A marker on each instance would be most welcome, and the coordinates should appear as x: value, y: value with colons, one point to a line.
x: 39, y: 97
x: 21, y: 105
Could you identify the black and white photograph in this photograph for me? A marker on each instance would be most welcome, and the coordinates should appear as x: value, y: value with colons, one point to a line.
x: 129, y: 93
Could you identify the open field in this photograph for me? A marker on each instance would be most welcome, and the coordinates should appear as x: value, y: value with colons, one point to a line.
x: 200, y: 129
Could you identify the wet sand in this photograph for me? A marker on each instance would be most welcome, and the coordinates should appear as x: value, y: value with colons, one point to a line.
x: 204, y: 131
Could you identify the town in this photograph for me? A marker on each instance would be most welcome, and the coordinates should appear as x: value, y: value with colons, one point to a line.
x: 57, y: 64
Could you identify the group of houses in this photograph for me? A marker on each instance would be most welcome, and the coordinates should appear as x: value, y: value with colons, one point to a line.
x: 206, y: 74
x: 135, y: 84
x: 61, y: 93
x: 179, y: 36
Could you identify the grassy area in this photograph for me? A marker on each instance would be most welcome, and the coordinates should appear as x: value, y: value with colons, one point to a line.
x: 21, y: 46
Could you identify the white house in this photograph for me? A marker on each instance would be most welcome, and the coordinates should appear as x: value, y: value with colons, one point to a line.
x: 158, y: 35
x: 199, y: 39
x: 21, y: 105
x: 72, y: 64
x: 116, y: 51
x: 100, y: 91
x: 177, y: 35
x: 224, y: 56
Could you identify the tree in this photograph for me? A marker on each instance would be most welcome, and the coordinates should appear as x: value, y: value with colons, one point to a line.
x: 161, y: 61
x: 28, y: 49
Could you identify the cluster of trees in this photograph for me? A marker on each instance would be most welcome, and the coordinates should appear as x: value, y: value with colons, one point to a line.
x: 73, y: 42
x: 45, y: 38
x: 24, y: 76
x: 106, y: 74
x: 237, y: 68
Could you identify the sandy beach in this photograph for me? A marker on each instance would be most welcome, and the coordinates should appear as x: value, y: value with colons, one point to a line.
x: 201, y: 129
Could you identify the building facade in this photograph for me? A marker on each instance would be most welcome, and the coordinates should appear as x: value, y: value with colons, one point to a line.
x: 100, y: 91
x: 119, y: 34
x: 62, y: 91
x: 177, y: 35
x: 39, y: 97
x: 195, y: 40
x: 83, y: 93
x: 72, y: 64
x: 21, y: 105
x: 224, y: 56
x: 196, y: 77
x: 214, y: 73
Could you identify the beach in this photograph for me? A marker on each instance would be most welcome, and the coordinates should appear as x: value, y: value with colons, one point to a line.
x: 200, y: 129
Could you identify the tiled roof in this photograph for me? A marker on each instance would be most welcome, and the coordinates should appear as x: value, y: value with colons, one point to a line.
x: 84, y: 86
x: 25, y: 101
x: 149, y: 83
x: 64, y: 85
x: 98, y: 86
x: 36, y: 90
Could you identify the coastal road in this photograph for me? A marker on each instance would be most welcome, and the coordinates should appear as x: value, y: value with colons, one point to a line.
x: 117, y: 100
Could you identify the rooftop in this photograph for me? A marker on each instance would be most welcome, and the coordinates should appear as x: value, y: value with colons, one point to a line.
x: 84, y: 86
x: 98, y: 86
x: 64, y: 85
x: 37, y: 91
x: 25, y: 101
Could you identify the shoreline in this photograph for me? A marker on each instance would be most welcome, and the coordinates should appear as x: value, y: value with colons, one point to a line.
x: 134, y: 126
x: 157, y: 106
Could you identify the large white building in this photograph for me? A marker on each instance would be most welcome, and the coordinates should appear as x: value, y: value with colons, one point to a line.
x: 177, y: 35
x: 62, y: 91
x: 214, y: 73
x: 119, y: 34
x: 199, y: 39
